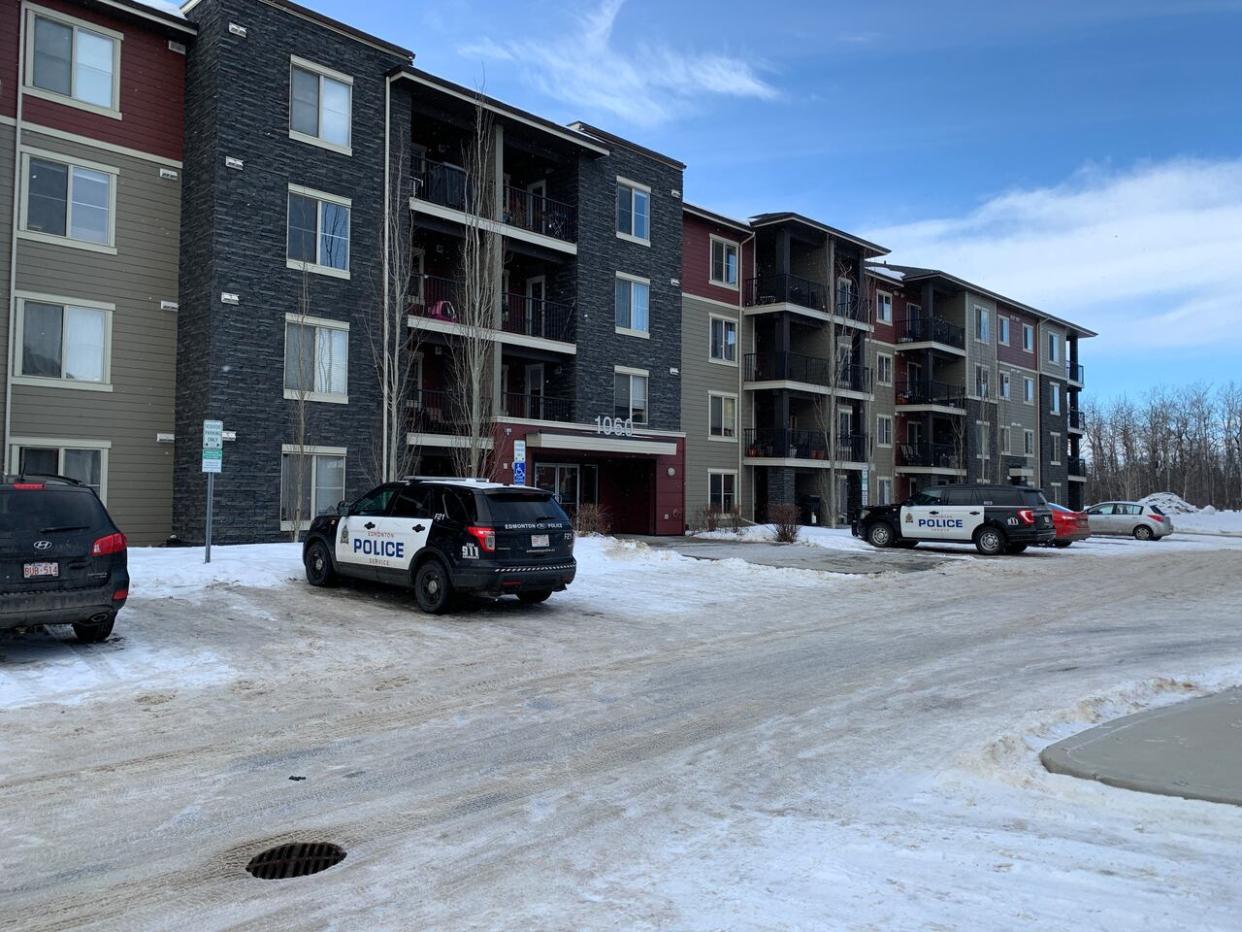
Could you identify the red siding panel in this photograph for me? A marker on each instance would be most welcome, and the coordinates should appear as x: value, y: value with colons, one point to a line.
x: 10, y: 19
x: 152, y: 86
x: 1013, y: 353
x: 696, y: 259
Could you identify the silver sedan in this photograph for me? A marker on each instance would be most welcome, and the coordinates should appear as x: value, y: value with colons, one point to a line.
x: 1131, y: 519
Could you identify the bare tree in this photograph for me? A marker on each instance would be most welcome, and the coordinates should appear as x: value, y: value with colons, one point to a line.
x: 300, y: 354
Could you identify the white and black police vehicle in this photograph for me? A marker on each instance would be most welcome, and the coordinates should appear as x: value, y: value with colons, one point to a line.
x: 995, y: 518
x: 443, y: 536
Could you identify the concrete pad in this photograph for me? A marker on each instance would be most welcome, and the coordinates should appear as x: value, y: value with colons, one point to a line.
x: 1192, y: 749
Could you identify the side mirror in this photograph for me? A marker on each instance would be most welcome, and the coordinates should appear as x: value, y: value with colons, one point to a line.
x: 342, y: 508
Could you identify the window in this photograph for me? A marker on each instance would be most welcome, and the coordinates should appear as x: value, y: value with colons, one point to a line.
x: 1028, y: 390
x: 884, y: 369
x: 312, y: 482
x: 69, y: 60
x: 722, y: 491
x: 1005, y: 389
x: 69, y: 201
x: 983, y: 382
x: 1054, y: 397
x: 1054, y: 348
x: 983, y: 436
x: 633, y: 297
x: 633, y: 211
x: 316, y: 359
x: 883, y: 430
x: 319, y: 105
x: 64, y: 343
x: 1028, y: 338
x: 318, y: 232
x: 1054, y: 452
x: 724, y: 263
x: 723, y: 339
x: 884, y: 491
x: 629, y: 394
x: 1055, y: 488
x: 87, y: 464
x: 1002, y: 330
x: 1006, y: 441
x: 722, y: 416
x: 883, y: 307
x: 982, y: 331
x: 1028, y: 442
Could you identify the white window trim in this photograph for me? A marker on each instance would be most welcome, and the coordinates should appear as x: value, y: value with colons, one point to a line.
x: 1034, y: 394
x: 1006, y: 329
x: 1054, y: 347
x: 879, y: 483
x: 1006, y: 440
x: 19, y: 326
x: 641, y: 373
x: 1005, y: 390
x: 114, y: 173
x: 878, y: 419
x: 1054, y: 454
x: 1028, y: 449
x: 987, y: 319
x: 630, y: 237
x: 312, y: 451
x: 28, y: 87
x: 892, y: 371
x: 714, y: 239
x: 986, y: 370
x: 985, y: 451
x: 885, y: 294
x: 323, y: 72
x: 737, y: 415
x: 61, y: 443
x: 736, y: 485
x: 715, y: 360
x: 629, y: 331
x: 1028, y: 347
x: 1054, y: 398
x: 314, y: 267
x: 324, y: 323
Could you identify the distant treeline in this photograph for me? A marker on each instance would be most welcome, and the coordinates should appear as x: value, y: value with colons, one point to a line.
x: 1186, y: 440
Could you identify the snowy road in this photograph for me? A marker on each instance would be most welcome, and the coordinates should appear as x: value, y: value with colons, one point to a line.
x: 674, y: 743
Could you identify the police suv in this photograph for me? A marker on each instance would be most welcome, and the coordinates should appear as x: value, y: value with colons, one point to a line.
x: 995, y: 518
x: 442, y: 536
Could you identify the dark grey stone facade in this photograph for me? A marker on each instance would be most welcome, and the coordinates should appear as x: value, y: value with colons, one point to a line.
x: 230, y: 359
x: 1049, y: 424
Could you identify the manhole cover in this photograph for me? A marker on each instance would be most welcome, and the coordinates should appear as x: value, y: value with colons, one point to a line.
x: 295, y: 860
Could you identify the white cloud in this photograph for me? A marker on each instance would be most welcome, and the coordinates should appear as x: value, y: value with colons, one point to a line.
x: 646, y: 85
x: 1146, y: 256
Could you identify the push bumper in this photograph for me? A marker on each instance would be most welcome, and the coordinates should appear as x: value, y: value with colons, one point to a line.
x: 26, y: 609
x: 501, y: 580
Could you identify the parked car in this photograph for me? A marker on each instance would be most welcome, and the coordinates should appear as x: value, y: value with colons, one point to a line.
x: 446, y: 536
x: 1070, y: 525
x: 62, y: 558
x: 995, y: 518
x: 1130, y: 519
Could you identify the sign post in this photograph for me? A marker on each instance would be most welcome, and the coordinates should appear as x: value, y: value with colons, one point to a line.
x: 519, y: 462
x: 213, y: 460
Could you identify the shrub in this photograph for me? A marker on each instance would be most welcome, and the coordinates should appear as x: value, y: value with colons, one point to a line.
x: 592, y: 519
x: 784, y: 523
x: 732, y: 520
x: 709, y: 519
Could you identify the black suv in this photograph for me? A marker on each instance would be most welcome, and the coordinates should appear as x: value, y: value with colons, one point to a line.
x: 995, y: 518
x: 444, y: 536
x: 62, y: 559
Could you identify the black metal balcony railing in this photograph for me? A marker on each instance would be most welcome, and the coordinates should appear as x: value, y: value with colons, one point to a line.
x: 854, y: 307
x: 1075, y: 466
x: 814, y: 370
x: 930, y: 392
x: 852, y: 448
x: 540, y: 214
x: 930, y: 455
x: 788, y: 289
x: 441, y: 183
x: 1076, y: 420
x: 536, y: 407
x: 435, y: 297
x: 1074, y: 373
x: 930, y: 330
x: 434, y: 413
x: 1017, y: 462
x: 782, y: 443
x: 537, y: 317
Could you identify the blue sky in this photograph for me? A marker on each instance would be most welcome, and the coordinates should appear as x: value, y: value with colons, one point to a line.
x: 1085, y: 157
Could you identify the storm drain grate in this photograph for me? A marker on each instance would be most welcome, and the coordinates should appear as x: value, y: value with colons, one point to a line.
x: 296, y: 860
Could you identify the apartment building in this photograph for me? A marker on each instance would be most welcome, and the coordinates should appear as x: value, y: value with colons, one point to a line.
x: 91, y: 140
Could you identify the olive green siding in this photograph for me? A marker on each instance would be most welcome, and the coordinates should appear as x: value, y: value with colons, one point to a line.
x: 882, y: 459
x: 142, y: 274
x: 700, y: 376
x: 6, y: 230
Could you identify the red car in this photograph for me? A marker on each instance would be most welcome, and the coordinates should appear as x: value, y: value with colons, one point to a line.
x: 1070, y: 525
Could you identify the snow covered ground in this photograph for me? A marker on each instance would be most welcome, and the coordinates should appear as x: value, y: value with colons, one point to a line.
x: 672, y: 743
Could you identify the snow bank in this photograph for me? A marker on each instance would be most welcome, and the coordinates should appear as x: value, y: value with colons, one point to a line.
x: 829, y: 538
x: 1169, y: 502
x: 1198, y: 520
x: 159, y: 572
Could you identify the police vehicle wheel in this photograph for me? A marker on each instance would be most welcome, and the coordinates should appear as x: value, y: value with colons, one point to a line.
x: 1142, y: 532
x: 1016, y: 548
x: 94, y: 632
x: 990, y: 541
x: 432, y: 589
x: 880, y: 535
x: 319, y: 571
x: 534, y: 598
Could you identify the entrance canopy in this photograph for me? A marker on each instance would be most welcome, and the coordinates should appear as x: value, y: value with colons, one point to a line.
x: 592, y: 443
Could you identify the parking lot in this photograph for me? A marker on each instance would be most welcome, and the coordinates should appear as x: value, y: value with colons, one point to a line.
x: 675, y: 742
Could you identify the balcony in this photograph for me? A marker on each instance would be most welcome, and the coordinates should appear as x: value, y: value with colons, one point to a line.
x: 1074, y: 373
x: 813, y: 370
x: 1076, y: 420
x: 441, y: 183
x: 537, y: 214
x: 931, y: 330
x: 537, y: 317
x: 941, y: 456
x: 1075, y: 466
x: 786, y: 289
x: 435, y: 298
x: 782, y: 443
x: 434, y: 413
x: 930, y: 392
x: 854, y: 307
x: 536, y: 407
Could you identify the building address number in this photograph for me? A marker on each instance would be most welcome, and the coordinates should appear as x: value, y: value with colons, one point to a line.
x: 614, y: 426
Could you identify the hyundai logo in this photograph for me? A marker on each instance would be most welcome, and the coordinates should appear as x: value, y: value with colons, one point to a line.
x: 42, y: 545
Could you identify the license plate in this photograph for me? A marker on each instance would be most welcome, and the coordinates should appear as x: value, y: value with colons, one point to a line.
x: 539, y: 540
x: 32, y: 570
